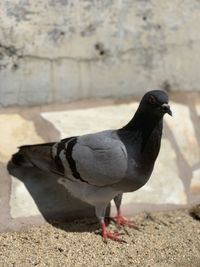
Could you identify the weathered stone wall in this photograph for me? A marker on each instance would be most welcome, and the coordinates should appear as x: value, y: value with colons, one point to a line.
x: 58, y: 50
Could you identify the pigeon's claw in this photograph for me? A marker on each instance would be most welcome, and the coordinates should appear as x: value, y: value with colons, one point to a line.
x: 112, y: 236
x: 108, y: 235
x: 123, y: 221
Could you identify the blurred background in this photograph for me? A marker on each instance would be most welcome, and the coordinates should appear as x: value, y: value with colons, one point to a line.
x: 63, y: 50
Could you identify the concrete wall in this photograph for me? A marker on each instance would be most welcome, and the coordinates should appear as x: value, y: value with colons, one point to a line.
x: 59, y: 50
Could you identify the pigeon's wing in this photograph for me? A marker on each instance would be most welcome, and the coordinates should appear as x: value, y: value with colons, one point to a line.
x: 99, y: 159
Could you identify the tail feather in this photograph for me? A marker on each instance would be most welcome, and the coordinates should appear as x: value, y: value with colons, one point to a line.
x: 38, y: 155
x: 19, y: 159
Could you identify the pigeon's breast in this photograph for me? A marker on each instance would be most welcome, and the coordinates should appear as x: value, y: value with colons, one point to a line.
x: 136, y: 177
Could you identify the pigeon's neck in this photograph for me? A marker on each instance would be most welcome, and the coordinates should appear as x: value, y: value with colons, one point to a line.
x: 144, y: 122
x: 143, y: 133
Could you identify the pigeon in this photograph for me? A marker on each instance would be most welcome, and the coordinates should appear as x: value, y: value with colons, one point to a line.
x: 99, y: 167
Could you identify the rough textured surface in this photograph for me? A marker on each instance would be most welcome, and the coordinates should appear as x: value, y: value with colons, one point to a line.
x: 63, y: 49
x: 74, y: 122
x: 15, y: 131
x: 198, y: 109
x: 21, y: 202
x: 195, y: 184
x: 165, y: 240
x: 187, y: 141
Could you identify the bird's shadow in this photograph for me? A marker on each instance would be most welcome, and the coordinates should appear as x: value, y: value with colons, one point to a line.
x: 54, y: 202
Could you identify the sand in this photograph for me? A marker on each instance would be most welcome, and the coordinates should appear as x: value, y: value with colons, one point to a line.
x: 164, y: 239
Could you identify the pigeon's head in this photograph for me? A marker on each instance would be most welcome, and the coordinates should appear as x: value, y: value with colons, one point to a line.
x: 156, y: 102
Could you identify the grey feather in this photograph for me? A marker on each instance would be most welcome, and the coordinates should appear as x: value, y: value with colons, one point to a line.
x: 101, y: 158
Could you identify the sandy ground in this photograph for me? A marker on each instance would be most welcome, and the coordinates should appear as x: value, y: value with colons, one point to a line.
x: 164, y: 239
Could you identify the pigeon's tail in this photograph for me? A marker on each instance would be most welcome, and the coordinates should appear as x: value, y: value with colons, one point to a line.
x: 34, y: 155
x: 19, y: 159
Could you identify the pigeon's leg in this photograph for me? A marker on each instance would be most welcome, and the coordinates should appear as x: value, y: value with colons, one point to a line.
x: 119, y: 219
x: 100, y: 213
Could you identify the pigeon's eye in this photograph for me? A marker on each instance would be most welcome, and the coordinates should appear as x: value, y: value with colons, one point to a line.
x: 151, y: 100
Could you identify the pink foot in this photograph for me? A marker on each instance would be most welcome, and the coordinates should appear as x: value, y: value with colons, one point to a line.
x: 108, y: 235
x: 123, y: 221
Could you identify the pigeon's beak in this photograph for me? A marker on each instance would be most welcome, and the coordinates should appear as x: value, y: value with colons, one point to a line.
x: 166, y: 109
